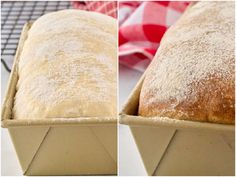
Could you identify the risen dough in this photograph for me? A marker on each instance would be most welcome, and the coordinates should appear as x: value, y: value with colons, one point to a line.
x: 192, y: 75
x: 68, y: 67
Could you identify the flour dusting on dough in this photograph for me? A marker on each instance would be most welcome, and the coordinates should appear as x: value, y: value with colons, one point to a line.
x: 67, y: 67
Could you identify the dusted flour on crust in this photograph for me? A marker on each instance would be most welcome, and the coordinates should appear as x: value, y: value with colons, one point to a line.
x: 192, y: 75
x: 68, y: 67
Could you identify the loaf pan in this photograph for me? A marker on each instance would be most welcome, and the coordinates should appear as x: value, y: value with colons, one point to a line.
x: 179, y: 147
x: 60, y: 146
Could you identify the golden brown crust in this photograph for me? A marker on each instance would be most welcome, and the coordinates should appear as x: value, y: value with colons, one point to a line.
x: 209, y: 107
x: 197, y: 87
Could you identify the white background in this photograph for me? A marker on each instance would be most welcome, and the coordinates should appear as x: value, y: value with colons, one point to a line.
x: 130, y: 163
x: 9, y: 162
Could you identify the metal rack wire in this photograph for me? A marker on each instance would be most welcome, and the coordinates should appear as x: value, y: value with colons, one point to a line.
x: 14, y: 14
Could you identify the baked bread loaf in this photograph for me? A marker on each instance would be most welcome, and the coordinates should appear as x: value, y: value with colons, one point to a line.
x: 68, y: 67
x: 192, y: 75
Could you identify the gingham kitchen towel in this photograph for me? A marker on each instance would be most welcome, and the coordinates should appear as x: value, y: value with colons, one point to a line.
x: 141, y: 27
x: 105, y: 7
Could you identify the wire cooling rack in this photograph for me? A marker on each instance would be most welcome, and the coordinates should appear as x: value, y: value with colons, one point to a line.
x: 14, y: 14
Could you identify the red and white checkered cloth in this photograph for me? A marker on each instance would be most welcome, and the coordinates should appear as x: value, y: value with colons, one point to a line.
x: 142, y: 25
x: 105, y: 7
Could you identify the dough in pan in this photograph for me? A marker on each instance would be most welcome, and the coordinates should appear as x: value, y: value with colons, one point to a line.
x: 68, y: 67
